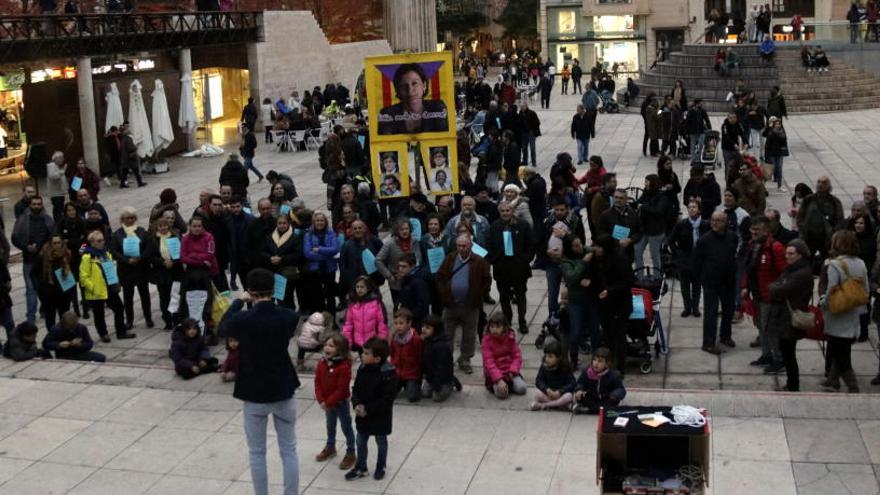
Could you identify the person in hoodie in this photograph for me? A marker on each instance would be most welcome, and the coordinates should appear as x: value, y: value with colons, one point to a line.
x: 311, y: 336
x: 406, y: 355
x: 555, y: 381
x: 71, y: 340
x: 188, y: 351
x: 332, y: 393
x: 437, y: 368
x: 22, y: 344
x: 502, y: 359
x: 200, y: 265
x: 415, y: 293
x: 372, y: 398
x: 598, y: 386
x: 365, y: 317
x: 703, y: 188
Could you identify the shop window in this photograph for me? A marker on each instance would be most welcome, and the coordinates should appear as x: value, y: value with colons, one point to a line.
x: 612, y: 2
x: 567, y: 22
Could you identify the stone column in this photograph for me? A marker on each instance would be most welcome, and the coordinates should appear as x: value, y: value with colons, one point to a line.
x: 411, y: 25
x: 185, y: 63
x: 87, y: 122
x: 253, y: 60
x: 542, y: 28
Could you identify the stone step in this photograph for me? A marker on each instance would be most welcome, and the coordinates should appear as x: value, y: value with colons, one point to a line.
x: 703, y: 49
x: 828, y: 78
x: 822, y: 98
x: 803, y: 93
x: 706, y: 82
x: 837, y: 107
x: 678, y: 70
x: 703, y: 93
x: 708, y: 60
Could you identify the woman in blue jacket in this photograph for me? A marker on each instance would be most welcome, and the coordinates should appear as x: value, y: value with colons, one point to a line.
x: 320, y: 246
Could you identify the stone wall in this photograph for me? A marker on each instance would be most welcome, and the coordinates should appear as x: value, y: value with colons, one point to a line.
x: 297, y: 56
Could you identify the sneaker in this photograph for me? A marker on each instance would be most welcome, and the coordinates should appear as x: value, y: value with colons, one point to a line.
x: 712, y: 349
x: 326, y: 453
x: 347, y: 461
x: 762, y: 361
x: 729, y: 343
x: 466, y: 368
x: 125, y: 336
x: 536, y: 406
x: 774, y: 368
x: 105, y: 339
x: 379, y: 474
x: 355, y: 474
x: 685, y: 313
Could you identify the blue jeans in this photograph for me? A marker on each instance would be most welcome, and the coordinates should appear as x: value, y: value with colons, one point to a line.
x: 583, y: 149
x: 249, y: 165
x: 711, y: 297
x: 554, y: 279
x: 256, y: 416
x: 777, y: 169
x: 381, y: 456
x: 583, y: 324
x: 528, y: 149
x: 697, y: 141
x: 652, y: 242
x: 30, y: 291
x: 341, y: 411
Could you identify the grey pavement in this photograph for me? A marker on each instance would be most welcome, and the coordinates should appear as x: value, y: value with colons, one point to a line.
x: 132, y: 425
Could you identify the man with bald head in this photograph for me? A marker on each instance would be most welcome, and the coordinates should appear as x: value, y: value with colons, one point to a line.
x: 463, y: 282
x: 820, y: 214
x: 715, y: 268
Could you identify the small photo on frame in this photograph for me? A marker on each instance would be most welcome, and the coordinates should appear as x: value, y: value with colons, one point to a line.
x: 391, y: 169
x: 440, y: 159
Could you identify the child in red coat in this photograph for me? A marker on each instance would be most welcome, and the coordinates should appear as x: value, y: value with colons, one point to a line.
x: 332, y: 381
x: 502, y: 359
x: 406, y: 355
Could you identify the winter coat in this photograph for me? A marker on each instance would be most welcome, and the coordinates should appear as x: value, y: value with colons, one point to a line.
x: 376, y: 388
x: 776, y: 107
x: 234, y: 174
x: 708, y: 191
x: 407, y: 358
x: 437, y: 366
x: 58, y: 334
x: 332, y: 381
x: 760, y: 273
x: 478, y: 223
x: 653, y: 212
x: 132, y: 274
x: 697, y: 121
x: 390, y: 254
x: 324, y: 260
x: 752, y: 194
x: 310, y: 334
x: 31, y: 229
x: 794, y: 287
x: 582, y: 126
x: 186, y: 352
x: 714, y: 259
x: 844, y: 325
x: 351, y: 261
x: 573, y: 271
x: 522, y: 211
x: 159, y: 274
x: 415, y: 294
x: 614, y: 274
x: 196, y: 250
x: 502, y: 356
x: 514, y: 269
x: 230, y: 364
x: 536, y: 191
x: 608, y: 385
x: 818, y: 216
x: 776, y: 143
x: 290, y: 252
x: 364, y: 320
x: 91, y: 278
x: 479, y: 280
x: 627, y: 217
x: 90, y: 181
x: 731, y: 135
x: 19, y: 350
x: 681, y: 240
x: 559, y: 379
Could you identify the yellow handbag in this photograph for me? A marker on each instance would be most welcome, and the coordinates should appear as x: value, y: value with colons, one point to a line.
x: 218, y: 306
x: 847, y: 295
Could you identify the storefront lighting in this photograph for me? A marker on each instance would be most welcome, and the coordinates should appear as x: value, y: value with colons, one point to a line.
x: 787, y: 29
x: 145, y: 64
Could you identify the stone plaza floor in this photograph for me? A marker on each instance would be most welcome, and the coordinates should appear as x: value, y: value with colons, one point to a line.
x: 132, y: 426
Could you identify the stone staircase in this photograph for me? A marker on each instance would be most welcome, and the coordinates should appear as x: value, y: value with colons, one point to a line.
x: 841, y: 88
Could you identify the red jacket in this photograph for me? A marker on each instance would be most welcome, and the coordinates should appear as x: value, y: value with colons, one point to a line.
x: 501, y: 356
x: 593, y: 179
x: 770, y: 266
x: 407, y: 358
x: 196, y: 250
x: 333, y: 382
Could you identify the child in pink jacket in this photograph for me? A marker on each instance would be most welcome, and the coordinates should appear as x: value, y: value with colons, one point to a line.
x: 365, y: 317
x: 502, y: 359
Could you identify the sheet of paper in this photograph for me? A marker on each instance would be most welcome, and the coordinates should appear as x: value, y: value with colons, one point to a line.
x: 173, y: 244
x: 131, y: 247
x: 67, y: 282
x: 508, y: 243
x: 110, y: 275
x: 435, y: 258
x: 77, y: 183
x: 638, y: 312
x: 416, y: 227
x: 369, y: 260
x: 285, y: 209
x: 280, y: 286
x: 620, y: 232
x: 479, y: 250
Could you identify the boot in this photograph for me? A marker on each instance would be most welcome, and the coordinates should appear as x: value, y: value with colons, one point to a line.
x: 852, y: 384
x: 833, y: 380
x: 300, y: 365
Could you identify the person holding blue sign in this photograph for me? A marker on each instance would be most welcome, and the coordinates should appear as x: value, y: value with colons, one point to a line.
x: 165, y: 267
x: 100, y: 283
x: 132, y: 247
x: 283, y: 254
x: 277, y: 196
x: 622, y: 223
x: 320, y: 246
x: 72, y: 229
x: 352, y: 256
x: 415, y: 293
x: 82, y: 177
x: 511, y: 248
x: 399, y: 243
x: 614, y: 282
x: 53, y: 275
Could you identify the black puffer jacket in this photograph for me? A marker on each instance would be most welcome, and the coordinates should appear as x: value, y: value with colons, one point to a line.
x: 375, y: 387
x: 795, y: 285
x: 437, y: 359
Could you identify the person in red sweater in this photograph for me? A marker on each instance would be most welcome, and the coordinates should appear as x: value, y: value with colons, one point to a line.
x: 502, y: 359
x: 406, y: 355
x: 197, y: 254
x: 332, y: 391
x: 764, y: 263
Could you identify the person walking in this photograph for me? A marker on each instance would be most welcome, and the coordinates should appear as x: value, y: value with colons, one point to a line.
x: 854, y: 18
x: 576, y: 74
x: 530, y: 126
x: 266, y: 379
x: 715, y: 268
x: 776, y: 149
x: 581, y: 131
x: 56, y: 184
x: 129, y: 159
x: 248, y: 150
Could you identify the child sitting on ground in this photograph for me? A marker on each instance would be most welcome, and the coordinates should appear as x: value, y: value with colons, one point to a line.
x: 229, y: 368
x: 188, y: 351
x: 554, y: 381
x: 311, y: 335
x: 373, y: 399
x: 68, y: 339
x: 332, y: 380
x: 437, y: 368
x: 598, y: 386
x: 406, y: 355
x: 365, y: 317
x: 502, y: 359
x: 22, y: 344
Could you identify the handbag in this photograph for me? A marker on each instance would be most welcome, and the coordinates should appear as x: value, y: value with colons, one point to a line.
x: 800, y: 319
x: 767, y: 171
x: 219, y: 305
x: 817, y: 331
x: 847, y: 295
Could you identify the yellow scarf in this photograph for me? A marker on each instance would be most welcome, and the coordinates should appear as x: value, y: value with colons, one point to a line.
x: 130, y: 231
x: 163, y: 245
x: 280, y: 239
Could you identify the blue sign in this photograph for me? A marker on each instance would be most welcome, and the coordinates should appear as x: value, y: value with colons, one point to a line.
x: 638, y: 312
x: 620, y: 232
x: 77, y: 183
x: 247, y: 210
x: 369, y: 260
x: 131, y: 247
x: 285, y: 209
x: 173, y: 245
x: 479, y: 250
x: 362, y: 140
x: 280, y: 287
x: 508, y: 243
x: 416, y: 227
x: 435, y: 258
x: 110, y: 275
x: 66, y: 282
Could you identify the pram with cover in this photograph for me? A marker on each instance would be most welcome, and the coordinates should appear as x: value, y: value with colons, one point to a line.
x: 711, y: 154
x: 646, y: 338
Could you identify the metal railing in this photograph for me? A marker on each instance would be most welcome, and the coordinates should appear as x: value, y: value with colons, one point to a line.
x: 24, y: 38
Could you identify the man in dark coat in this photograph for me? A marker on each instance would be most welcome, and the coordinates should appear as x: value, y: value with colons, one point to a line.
x: 266, y: 378
x: 622, y: 222
x: 238, y: 223
x: 415, y: 293
x: 819, y: 215
x: 683, y: 240
x: 257, y: 232
x: 31, y: 231
x: 129, y: 161
x: 536, y: 191
x: 581, y: 131
x: 235, y: 175
x: 215, y: 222
x: 511, y: 247
x: 530, y: 127
x: 715, y: 267
x: 704, y: 188
x: 249, y: 114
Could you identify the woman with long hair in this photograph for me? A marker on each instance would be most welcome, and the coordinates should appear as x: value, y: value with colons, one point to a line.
x: 863, y: 226
x: 132, y: 247
x: 54, y: 267
x: 283, y: 254
x: 791, y: 291
x: 197, y: 253
x: 72, y: 229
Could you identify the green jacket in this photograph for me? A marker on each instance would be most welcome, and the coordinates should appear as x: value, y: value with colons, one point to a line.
x: 573, y: 270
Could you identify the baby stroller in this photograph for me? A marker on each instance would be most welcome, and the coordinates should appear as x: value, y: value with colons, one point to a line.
x: 683, y: 147
x: 711, y: 155
x: 645, y: 322
x: 608, y: 103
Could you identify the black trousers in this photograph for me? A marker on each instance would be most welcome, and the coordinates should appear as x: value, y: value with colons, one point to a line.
x: 56, y: 305
x: 507, y: 292
x: 165, y: 299
x: 690, y: 289
x: 98, y: 314
x: 320, y: 293
x: 143, y: 289
x: 839, y: 350
x: 614, y: 334
x: 123, y: 178
x: 211, y: 365
x: 788, y: 350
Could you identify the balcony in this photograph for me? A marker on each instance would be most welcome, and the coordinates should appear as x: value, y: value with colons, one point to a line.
x: 30, y: 38
x: 617, y: 7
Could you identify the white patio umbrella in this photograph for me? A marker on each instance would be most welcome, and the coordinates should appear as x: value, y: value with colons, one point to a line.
x: 186, y: 116
x: 115, y: 116
x: 163, y: 132
x: 138, y: 121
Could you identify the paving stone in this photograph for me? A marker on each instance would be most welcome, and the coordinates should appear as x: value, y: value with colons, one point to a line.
x: 750, y: 439
x: 182, y: 485
x: 114, y: 482
x: 575, y: 474
x: 97, y: 444
x: 43, y: 478
x: 819, y: 479
x: 39, y: 437
x: 735, y: 477
x: 219, y: 457
x: 10, y: 467
x: 159, y: 451
x: 93, y: 403
x: 40, y: 398
x: 513, y: 473
x: 150, y: 407
x: 870, y: 431
x: 825, y: 440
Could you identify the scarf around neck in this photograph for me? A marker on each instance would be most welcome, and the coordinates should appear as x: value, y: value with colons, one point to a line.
x: 163, y: 245
x: 403, y: 339
x: 279, y: 239
x: 130, y: 231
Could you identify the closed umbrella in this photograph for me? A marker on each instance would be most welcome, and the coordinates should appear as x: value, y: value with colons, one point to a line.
x: 186, y: 117
x: 138, y: 122
x: 114, y: 109
x: 163, y: 132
